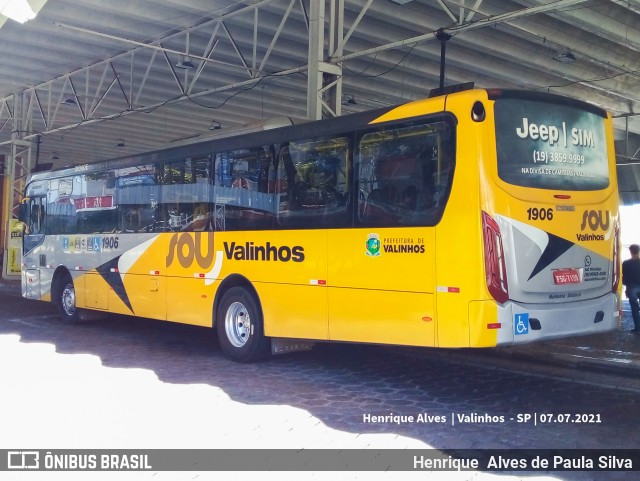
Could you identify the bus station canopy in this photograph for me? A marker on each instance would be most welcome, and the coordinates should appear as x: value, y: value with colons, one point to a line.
x: 87, y: 80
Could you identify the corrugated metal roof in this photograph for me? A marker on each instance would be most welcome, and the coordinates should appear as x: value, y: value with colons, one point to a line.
x: 115, y: 60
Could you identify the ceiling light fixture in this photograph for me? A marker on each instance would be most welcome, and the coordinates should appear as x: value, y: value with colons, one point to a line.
x: 18, y: 10
x: 348, y: 99
x: 185, y: 64
x: 215, y: 125
x: 54, y: 156
x: 564, y: 57
x: 120, y: 143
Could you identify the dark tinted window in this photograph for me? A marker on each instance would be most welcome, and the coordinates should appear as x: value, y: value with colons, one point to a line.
x: 244, y: 197
x: 313, y: 183
x: 137, y: 196
x: 184, y: 195
x: 405, y: 174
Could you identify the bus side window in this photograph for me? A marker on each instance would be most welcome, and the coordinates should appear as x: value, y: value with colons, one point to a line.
x: 314, y: 183
x: 244, y: 197
x: 405, y: 174
x: 183, y: 195
x: 89, y: 209
x: 136, y: 196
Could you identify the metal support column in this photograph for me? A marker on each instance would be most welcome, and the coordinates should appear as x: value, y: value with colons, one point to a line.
x: 324, y: 86
x: 16, y: 167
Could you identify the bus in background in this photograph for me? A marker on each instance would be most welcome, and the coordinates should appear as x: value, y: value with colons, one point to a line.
x: 469, y: 219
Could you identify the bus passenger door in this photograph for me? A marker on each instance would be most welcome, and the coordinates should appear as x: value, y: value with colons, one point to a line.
x: 33, y: 217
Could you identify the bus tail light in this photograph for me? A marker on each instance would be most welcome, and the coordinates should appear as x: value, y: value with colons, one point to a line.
x: 494, y: 261
x: 615, y: 275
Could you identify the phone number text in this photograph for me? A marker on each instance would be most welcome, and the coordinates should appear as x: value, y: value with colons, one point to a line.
x: 541, y: 156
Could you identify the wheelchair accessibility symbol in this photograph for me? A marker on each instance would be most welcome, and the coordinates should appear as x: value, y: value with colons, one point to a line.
x: 521, y: 324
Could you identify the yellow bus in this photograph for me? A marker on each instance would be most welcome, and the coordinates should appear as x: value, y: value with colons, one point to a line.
x: 468, y: 219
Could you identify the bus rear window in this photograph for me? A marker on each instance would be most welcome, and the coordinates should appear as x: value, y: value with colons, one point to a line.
x: 550, y: 146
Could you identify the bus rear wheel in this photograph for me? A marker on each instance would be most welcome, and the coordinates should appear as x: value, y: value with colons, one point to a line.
x: 240, y: 327
x: 66, y: 300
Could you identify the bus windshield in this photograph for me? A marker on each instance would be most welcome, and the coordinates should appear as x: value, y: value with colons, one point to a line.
x: 550, y: 146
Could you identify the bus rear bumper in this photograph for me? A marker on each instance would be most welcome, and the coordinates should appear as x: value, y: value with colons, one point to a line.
x: 523, y: 323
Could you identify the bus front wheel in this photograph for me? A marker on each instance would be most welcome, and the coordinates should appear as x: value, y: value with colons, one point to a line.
x: 66, y: 301
x: 240, y: 327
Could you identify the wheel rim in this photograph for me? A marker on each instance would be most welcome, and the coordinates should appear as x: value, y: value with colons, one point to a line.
x: 237, y: 324
x: 68, y: 300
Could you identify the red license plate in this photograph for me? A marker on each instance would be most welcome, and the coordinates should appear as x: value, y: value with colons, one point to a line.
x: 566, y: 276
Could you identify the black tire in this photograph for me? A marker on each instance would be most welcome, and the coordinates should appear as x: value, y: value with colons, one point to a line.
x: 66, y: 300
x: 240, y: 327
